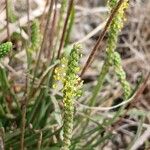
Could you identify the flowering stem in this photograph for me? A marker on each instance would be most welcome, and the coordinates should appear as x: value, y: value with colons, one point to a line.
x: 112, y: 57
x: 70, y: 92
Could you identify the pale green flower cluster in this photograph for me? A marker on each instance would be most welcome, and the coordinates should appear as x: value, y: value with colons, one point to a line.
x: 113, y: 57
x: 60, y: 72
x: 67, y: 73
x: 5, y: 48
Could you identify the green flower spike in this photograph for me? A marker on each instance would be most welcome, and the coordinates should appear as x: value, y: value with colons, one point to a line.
x: 5, y: 48
x: 71, y: 90
x: 111, y: 58
x: 121, y: 75
x: 113, y: 32
x: 35, y: 36
x: 115, y: 27
x: 114, y: 57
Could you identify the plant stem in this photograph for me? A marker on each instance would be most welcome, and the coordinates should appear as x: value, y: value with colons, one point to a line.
x: 100, y: 81
x: 70, y: 7
x: 24, y: 105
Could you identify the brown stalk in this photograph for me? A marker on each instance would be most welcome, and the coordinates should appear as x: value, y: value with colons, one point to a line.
x: 29, y: 34
x: 65, y: 28
x: 44, y: 13
x: 25, y: 100
x: 52, y: 31
x: 23, y: 125
x: 98, y: 43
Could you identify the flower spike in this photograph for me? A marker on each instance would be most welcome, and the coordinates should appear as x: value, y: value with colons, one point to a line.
x: 5, y: 48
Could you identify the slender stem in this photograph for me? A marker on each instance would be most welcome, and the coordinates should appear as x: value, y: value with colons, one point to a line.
x: 96, y: 90
x: 7, y: 16
x: 100, y: 82
x: 24, y: 105
x: 98, y: 43
x: 65, y: 28
x: 29, y: 34
x: 43, y: 16
x: 70, y: 25
x: 25, y: 99
x: 40, y: 141
x: 52, y: 31
x: 60, y: 23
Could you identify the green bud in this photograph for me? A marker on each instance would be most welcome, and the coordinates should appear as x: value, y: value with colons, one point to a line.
x: 121, y: 75
x: 5, y: 48
x: 35, y: 36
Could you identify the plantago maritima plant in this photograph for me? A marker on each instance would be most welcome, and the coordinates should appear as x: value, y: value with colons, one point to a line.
x: 67, y: 74
x: 114, y: 29
x: 70, y: 91
x: 32, y: 114
x: 110, y: 60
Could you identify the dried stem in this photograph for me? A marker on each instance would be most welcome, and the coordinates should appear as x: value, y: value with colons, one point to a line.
x: 65, y: 27
x: 23, y: 125
x: 44, y: 39
x: 43, y: 14
x: 25, y: 99
x: 52, y: 31
x: 29, y: 34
